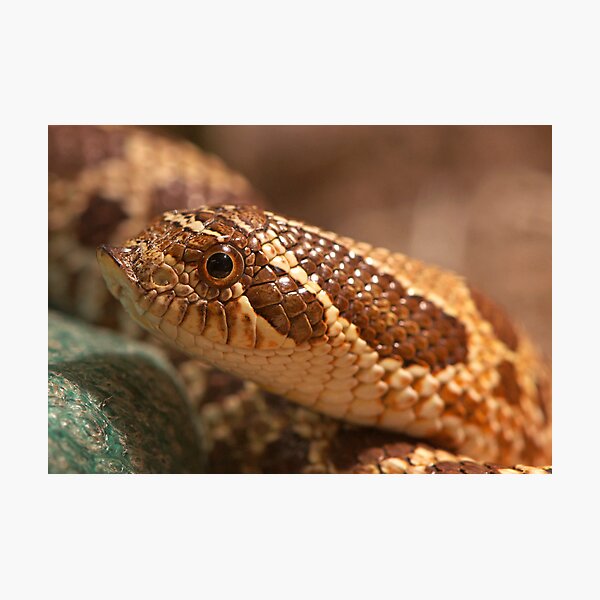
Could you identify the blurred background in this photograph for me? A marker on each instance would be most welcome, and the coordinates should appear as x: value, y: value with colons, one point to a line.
x: 475, y: 199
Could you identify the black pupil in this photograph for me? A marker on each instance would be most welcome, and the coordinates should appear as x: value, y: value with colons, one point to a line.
x: 219, y: 265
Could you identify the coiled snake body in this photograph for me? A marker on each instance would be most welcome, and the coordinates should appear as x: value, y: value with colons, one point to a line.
x: 348, y: 330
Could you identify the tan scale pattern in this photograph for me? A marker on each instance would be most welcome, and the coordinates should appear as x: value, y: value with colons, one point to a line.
x: 321, y: 354
x: 246, y: 432
x: 105, y: 183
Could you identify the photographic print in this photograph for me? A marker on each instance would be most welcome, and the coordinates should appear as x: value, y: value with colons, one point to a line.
x: 299, y: 299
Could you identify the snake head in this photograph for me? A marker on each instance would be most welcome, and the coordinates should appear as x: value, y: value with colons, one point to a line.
x: 213, y: 279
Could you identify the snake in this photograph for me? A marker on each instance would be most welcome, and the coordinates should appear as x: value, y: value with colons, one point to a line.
x: 359, y: 359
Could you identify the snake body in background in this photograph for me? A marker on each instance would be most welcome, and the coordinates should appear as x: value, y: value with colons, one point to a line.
x: 351, y: 331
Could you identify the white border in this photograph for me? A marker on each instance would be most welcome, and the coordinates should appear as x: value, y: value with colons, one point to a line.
x: 334, y: 62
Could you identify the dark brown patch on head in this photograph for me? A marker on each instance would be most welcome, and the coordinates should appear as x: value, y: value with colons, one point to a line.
x: 99, y: 221
x: 508, y: 387
x: 499, y: 320
x: 291, y: 309
x: 71, y: 148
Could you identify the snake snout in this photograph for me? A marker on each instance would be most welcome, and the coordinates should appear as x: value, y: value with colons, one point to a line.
x: 114, y: 253
x: 116, y: 270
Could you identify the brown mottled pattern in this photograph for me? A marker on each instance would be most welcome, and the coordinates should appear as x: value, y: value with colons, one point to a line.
x: 406, y: 327
x: 72, y: 148
x: 465, y: 467
x: 509, y: 386
x: 104, y: 185
x: 287, y: 454
x: 289, y: 308
x: 99, y: 220
x: 544, y: 392
x: 251, y: 433
x: 398, y: 457
x: 498, y: 319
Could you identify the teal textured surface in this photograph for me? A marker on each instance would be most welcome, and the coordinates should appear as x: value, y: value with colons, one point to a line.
x: 114, y: 405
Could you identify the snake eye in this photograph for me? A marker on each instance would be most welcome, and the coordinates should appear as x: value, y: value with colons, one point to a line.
x: 221, y: 265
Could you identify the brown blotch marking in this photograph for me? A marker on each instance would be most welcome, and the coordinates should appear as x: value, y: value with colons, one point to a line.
x: 408, y: 328
x: 497, y: 317
x: 534, y: 451
x: 201, y: 215
x: 264, y: 275
x: 371, y: 456
x: 314, y: 312
x: 276, y: 317
x: 300, y: 329
x: 472, y: 468
x: 291, y: 309
x: 191, y: 255
x: 260, y: 259
x: 99, y: 221
x: 544, y: 394
x: 200, y: 243
x: 72, y: 148
x: 264, y: 294
x: 508, y: 387
x: 447, y: 467
x: 176, y: 250
x: 320, y: 329
x: 225, y: 228
x: 398, y: 449
x: 239, y: 239
x: 353, y: 447
x: 287, y: 454
x: 286, y: 284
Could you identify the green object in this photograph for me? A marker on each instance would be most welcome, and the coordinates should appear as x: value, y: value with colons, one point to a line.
x: 114, y: 405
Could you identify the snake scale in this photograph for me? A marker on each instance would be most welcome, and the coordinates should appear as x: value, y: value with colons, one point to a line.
x: 367, y: 361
